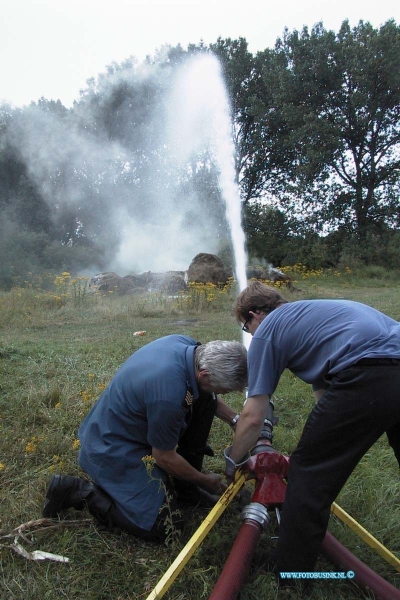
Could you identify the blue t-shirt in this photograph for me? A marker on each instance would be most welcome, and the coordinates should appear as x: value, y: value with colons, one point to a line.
x: 144, y: 406
x: 314, y: 338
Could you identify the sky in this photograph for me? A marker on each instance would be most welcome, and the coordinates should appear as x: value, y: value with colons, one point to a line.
x: 50, y: 48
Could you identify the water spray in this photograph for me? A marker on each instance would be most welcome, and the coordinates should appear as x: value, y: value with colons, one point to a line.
x: 204, y: 121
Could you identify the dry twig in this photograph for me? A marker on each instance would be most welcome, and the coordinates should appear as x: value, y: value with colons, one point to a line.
x: 33, y: 527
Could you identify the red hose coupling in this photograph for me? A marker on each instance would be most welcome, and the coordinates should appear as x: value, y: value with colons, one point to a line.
x: 269, y: 469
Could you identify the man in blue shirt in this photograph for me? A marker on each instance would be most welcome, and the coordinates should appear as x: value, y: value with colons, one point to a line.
x: 350, y: 354
x: 148, y: 430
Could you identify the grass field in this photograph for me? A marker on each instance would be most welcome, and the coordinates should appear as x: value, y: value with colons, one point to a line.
x: 59, y: 348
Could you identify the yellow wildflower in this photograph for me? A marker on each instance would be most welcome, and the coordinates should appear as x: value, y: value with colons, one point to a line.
x: 30, y: 447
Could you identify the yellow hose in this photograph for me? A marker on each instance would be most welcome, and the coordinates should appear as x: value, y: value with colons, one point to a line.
x: 366, y: 536
x: 187, y: 552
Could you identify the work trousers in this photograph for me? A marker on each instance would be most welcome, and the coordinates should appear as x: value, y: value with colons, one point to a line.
x: 192, y: 446
x: 361, y: 403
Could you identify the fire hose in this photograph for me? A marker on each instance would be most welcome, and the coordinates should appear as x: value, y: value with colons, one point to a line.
x: 270, y: 469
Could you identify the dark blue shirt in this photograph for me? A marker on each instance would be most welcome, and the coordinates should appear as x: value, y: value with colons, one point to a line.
x: 143, y: 407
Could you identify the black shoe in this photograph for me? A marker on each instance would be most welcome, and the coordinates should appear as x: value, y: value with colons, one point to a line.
x: 196, y: 496
x: 63, y: 493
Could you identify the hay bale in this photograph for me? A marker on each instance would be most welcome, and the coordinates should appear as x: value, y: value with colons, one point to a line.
x: 105, y: 282
x: 207, y: 268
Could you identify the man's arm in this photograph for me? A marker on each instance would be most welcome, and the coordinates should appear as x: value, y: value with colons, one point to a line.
x: 176, y: 466
x: 249, y: 426
x: 224, y: 412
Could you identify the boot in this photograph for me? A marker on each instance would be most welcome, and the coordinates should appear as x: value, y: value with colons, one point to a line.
x: 66, y: 492
x: 190, y: 494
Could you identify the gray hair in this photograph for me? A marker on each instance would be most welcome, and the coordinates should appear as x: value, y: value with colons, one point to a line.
x: 225, y: 362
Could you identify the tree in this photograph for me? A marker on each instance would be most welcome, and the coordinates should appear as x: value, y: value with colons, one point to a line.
x: 267, y: 231
x: 336, y: 99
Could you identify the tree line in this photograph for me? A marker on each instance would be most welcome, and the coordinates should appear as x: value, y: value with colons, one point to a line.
x: 316, y: 126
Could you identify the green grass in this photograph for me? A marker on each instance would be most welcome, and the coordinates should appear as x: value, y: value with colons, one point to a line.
x: 56, y: 357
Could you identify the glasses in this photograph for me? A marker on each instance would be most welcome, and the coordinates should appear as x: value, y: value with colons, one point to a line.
x: 245, y: 328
